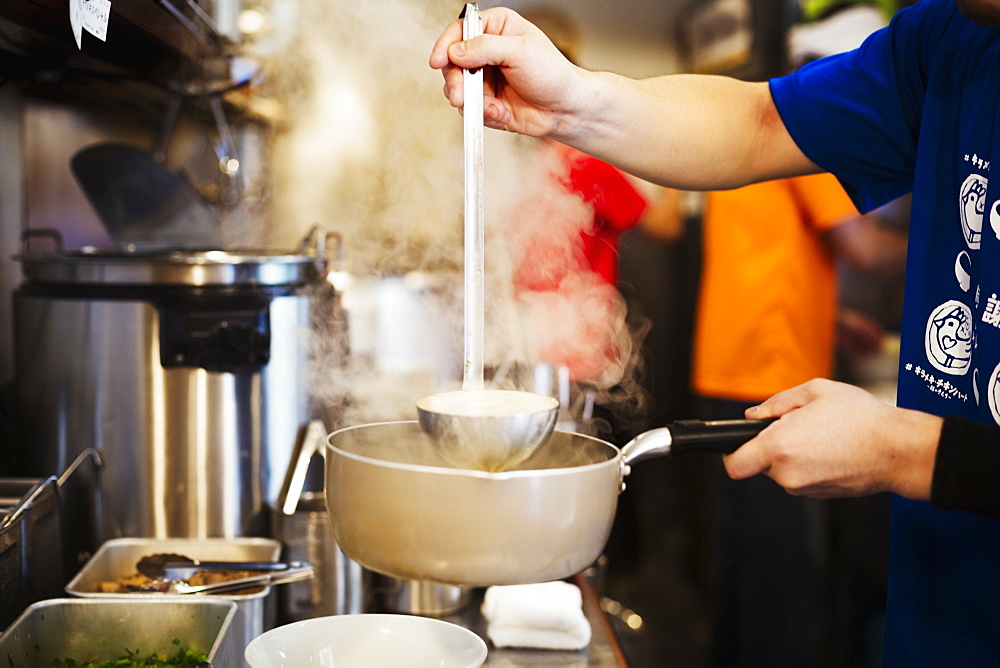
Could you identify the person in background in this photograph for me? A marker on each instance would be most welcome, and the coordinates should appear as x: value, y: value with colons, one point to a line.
x: 766, y: 321
x: 857, y: 529
x: 915, y: 108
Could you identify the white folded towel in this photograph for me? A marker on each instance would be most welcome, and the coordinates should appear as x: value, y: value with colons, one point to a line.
x: 547, y: 615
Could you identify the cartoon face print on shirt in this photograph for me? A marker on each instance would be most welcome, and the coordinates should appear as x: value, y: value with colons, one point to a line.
x: 963, y: 265
x: 993, y: 393
x: 948, y: 338
x: 995, y: 218
x: 972, y: 205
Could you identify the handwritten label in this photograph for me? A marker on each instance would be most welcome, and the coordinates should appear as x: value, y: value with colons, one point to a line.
x: 89, y: 15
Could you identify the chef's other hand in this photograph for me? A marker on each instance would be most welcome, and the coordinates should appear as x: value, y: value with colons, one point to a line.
x: 835, y: 439
x: 528, y: 83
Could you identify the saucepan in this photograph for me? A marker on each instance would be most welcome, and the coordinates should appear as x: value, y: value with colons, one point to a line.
x: 397, y: 507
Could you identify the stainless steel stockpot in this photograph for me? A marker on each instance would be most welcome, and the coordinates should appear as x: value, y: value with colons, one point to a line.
x: 188, y: 370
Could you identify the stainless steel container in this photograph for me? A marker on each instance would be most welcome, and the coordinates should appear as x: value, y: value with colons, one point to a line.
x: 31, y: 557
x: 187, y: 370
x: 255, y: 613
x: 419, y: 597
x: 81, y: 630
x: 300, y: 522
x: 47, y: 531
x: 340, y: 587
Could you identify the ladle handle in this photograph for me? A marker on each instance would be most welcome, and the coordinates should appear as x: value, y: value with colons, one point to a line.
x: 475, y: 215
x: 723, y: 436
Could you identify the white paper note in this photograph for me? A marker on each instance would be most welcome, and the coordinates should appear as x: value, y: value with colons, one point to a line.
x: 90, y: 15
x: 76, y: 21
x: 96, y: 17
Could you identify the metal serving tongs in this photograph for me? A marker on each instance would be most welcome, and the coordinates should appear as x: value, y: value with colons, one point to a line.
x: 295, y: 573
x: 180, y: 567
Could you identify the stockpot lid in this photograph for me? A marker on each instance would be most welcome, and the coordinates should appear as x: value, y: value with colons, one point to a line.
x: 95, y: 266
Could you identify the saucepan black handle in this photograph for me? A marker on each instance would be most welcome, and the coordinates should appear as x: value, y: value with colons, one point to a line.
x: 723, y: 436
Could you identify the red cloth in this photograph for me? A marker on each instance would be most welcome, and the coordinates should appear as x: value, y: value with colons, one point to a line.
x: 618, y: 206
x: 565, y: 239
x: 554, y: 239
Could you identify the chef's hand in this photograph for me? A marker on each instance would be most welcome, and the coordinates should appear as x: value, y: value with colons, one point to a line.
x: 529, y: 84
x: 835, y: 439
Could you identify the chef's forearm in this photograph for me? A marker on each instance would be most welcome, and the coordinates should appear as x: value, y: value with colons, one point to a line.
x: 910, y: 440
x: 967, y: 467
x: 684, y: 131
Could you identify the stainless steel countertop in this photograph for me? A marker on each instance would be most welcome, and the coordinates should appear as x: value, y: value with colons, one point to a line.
x: 603, y: 650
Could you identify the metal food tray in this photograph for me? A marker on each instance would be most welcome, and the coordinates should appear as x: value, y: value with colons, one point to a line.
x: 116, y: 558
x: 31, y: 565
x: 103, y: 629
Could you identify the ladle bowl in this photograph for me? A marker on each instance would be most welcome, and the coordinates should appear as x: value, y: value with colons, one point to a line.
x: 487, y: 430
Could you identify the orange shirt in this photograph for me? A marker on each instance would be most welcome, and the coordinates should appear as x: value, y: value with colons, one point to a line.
x: 768, y: 300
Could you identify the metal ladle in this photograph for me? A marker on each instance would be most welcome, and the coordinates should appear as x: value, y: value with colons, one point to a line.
x: 475, y: 428
x: 488, y: 430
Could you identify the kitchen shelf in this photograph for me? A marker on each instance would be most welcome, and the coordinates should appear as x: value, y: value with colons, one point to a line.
x: 144, y: 38
x: 153, y: 51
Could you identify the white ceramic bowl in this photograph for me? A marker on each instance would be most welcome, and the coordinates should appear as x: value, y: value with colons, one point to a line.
x: 367, y: 641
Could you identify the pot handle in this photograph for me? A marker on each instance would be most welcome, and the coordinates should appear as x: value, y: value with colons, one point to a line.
x: 24, y: 505
x: 89, y: 453
x: 316, y: 243
x: 307, y: 445
x: 54, y: 235
x: 722, y: 436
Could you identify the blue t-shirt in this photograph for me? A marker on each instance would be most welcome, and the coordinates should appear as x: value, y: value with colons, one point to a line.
x: 917, y: 107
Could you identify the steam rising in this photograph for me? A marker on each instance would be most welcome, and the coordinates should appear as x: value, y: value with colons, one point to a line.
x: 368, y: 148
x: 567, y: 316
x: 576, y: 319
